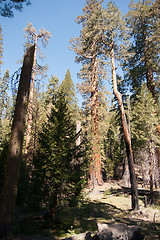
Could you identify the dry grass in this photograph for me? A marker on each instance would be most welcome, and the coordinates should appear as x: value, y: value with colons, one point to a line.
x: 106, y: 204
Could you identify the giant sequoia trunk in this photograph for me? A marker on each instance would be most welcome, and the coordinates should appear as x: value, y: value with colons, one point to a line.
x: 134, y: 190
x: 95, y: 167
x: 30, y: 107
x: 9, y: 189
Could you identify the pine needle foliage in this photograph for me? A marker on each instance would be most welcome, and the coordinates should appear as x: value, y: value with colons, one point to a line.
x: 57, y: 169
x: 7, y: 7
x: 142, y: 65
x: 144, y: 119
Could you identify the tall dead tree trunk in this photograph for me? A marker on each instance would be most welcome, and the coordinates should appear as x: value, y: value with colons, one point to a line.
x: 9, y: 189
x: 30, y: 106
x: 95, y: 167
x: 134, y: 190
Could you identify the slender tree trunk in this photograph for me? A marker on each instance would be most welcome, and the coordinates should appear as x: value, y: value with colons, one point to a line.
x: 151, y: 180
x: 78, y: 129
x: 152, y: 170
x: 30, y: 106
x: 95, y: 167
x: 9, y: 189
x: 134, y: 190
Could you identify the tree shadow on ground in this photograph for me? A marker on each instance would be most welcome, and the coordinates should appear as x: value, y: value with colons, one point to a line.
x: 87, y: 216
x: 84, y: 218
x: 142, y: 193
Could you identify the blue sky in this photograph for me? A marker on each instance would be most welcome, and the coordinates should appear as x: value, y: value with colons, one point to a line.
x: 58, y: 17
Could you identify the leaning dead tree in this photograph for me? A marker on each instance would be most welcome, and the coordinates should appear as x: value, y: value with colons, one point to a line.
x: 134, y: 190
x: 9, y: 189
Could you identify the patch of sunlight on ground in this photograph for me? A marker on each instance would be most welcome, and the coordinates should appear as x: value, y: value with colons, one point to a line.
x: 121, y: 202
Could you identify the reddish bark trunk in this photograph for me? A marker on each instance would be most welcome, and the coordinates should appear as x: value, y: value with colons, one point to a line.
x: 95, y: 167
x: 150, y: 83
x: 9, y: 189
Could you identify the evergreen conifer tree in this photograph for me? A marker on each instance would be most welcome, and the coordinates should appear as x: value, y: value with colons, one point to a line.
x: 67, y: 87
x: 7, y: 6
x: 88, y: 48
x: 52, y: 89
x: 57, y: 170
x: 144, y: 134
x: 1, y: 47
x: 5, y: 107
x: 142, y: 64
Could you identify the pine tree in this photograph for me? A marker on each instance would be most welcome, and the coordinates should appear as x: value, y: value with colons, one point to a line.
x: 142, y: 65
x: 4, y: 85
x: 144, y: 134
x: 52, y: 89
x: 5, y: 107
x: 88, y: 48
x: 1, y: 47
x: 56, y: 165
x: 68, y: 88
x: 7, y: 6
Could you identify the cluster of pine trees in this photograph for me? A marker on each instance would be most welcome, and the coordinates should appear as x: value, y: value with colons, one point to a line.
x: 58, y: 158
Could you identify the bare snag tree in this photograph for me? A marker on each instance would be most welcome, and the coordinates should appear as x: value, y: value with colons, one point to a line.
x: 133, y: 181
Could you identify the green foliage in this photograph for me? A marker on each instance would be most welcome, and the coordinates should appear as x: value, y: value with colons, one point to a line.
x: 3, y: 158
x: 114, y: 144
x: 115, y: 30
x: 23, y: 185
x: 89, y: 42
x: 52, y: 89
x: 7, y: 6
x: 68, y: 89
x: 145, y: 119
x: 57, y: 170
x: 143, y: 61
x: 1, y: 46
x: 5, y: 109
x: 40, y: 39
x: 4, y: 85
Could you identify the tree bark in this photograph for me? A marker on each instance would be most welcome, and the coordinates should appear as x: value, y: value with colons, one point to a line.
x: 9, y: 189
x: 134, y: 190
x: 78, y: 129
x: 30, y: 106
x: 95, y: 167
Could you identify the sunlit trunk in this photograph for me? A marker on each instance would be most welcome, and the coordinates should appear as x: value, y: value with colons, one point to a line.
x: 30, y: 106
x: 134, y: 190
x: 9, y: 189
x: 95, y: 167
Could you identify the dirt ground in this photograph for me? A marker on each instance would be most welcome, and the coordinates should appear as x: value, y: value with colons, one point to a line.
x: 109, y: 203
x: 116, y: 195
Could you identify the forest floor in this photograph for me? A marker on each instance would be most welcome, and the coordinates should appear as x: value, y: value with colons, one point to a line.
x: 110, y: 203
